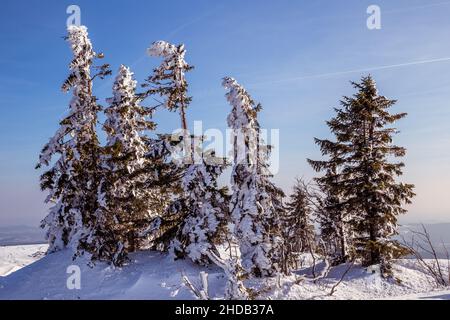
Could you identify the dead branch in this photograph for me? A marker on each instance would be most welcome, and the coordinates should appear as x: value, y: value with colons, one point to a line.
x: 334, y: 287
x: 421, y: 242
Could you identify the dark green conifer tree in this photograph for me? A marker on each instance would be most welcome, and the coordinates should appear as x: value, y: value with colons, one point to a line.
x: 367, y: 178
x: 331, y: 212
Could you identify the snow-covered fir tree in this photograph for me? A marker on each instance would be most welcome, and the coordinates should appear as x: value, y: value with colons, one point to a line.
x: 206, y: 206
x: 126, y: 202
x: 256, y: 203
x: 72, y: 180
x: 298, y: 229
x: 167, y: 177
x: 368, y: 174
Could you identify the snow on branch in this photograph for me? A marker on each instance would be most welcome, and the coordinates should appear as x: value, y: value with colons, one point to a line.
x: 161, y: 49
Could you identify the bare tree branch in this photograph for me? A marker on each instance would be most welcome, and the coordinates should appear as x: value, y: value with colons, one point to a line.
x: 421, y: 242
x: 334, y: 287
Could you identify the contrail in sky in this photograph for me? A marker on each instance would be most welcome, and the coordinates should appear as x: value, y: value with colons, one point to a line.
x: 331, y: 74
x: 418, y: 7
x: 169, y: 36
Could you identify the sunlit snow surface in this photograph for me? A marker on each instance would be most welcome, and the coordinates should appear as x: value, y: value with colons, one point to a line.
x: 26, y: 274
x: 13, y: 258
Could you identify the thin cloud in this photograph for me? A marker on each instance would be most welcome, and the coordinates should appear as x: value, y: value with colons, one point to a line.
x: 338, y: 73
x: 193, y: 21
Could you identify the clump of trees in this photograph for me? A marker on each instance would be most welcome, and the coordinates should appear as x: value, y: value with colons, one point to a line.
x: 133, y: 193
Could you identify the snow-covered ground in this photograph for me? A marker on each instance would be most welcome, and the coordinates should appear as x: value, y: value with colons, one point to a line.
x: 13, y: 258
x: 153, y: 275
x: 410, y: 282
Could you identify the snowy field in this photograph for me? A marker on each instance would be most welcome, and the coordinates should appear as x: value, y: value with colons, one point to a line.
x: 26, y: 274
x: 13, y: 258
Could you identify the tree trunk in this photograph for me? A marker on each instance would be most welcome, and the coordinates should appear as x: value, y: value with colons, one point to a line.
x: 131, y: 242
x: 374, y: 251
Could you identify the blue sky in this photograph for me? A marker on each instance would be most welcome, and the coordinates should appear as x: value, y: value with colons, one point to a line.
x: 295, y: 57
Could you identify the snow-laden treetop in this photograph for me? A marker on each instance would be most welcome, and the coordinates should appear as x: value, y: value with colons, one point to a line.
x: 244, y: 109
x: 161, y: 49
x: 124, y: 85
x: 80, y: 44
x: 172, y: 54
x: 168, y: 79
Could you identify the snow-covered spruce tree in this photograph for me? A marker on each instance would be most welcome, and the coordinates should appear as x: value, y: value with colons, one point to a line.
x: 368, y: 173
x: 332, y: 213
x: 126, y: 203
x: 298, y: 229
x: 206, y: 208
x: 167, y: 177
x: 256, y: 203
x: 168, y: 80
x: 72, y: 181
